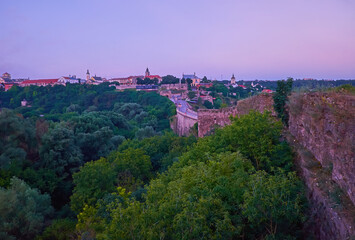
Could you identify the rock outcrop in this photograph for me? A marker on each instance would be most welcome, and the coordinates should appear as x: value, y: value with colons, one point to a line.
x: 324, y: 123
x: 322, y: 131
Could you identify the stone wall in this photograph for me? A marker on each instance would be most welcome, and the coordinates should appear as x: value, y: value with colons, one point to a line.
x: 260, y: 103
x: 331, y: 215
x: 324, y: 123
x: 176, y: 86
x: 209, y: 118
x: 182, y: 123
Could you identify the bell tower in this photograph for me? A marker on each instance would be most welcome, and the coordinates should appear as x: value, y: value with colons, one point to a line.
x: 147, y: 73
x: 87, y: 75
x: 233, y: 80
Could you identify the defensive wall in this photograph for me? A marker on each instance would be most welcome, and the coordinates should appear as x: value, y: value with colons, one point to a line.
x: 209, y: 118
x: 183, y: 122
x: 322, y: 133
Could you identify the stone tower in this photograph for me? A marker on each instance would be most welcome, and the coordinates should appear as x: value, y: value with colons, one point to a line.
x: 147, y: 73
x: 87, y: 75
x: 233, y: 80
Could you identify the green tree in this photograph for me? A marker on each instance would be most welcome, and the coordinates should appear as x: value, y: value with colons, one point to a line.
x: 273, y: 204
x: 133, y: 167
x: 92, y: 182
x: 256, y: 136
x: 283, y: 89
x: 60, y: 229
x: 23, y: 211
x: 59, y: 151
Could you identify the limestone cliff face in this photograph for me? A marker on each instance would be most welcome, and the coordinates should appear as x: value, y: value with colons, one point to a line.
x: 324, y: 123
x: 322, y: 129
x: 331, y: 213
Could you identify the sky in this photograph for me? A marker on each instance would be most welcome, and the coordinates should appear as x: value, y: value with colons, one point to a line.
x: 254, y: 39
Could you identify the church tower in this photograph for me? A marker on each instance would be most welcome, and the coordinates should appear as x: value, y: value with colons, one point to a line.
x: 147, y: 73
x: 233, y: 80
x: 87, y: 75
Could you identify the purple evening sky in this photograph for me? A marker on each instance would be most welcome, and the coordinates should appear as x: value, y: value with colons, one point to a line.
x: 255, y: 39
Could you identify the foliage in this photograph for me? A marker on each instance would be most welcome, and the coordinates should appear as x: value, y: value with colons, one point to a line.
x: 90, y: 183
x: 256, y: 136
x: 169, y: 79
x: 23, y: 211
x: 347, y: 88
x: 281, y: 97
x: 213, y: 191
x: 17, y: 138
x: 208, y: 104
x: 191, y: 94
x: 60, y: 229
x: 59, y: 152
x: 273, y: 202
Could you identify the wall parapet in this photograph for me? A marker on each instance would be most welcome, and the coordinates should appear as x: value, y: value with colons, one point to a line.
x: 209, y: 118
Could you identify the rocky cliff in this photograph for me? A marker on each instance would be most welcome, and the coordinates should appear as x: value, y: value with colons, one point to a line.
x: 322, y: 135
x: 324, y: 123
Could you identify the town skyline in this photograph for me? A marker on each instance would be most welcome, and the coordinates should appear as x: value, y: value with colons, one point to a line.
x: 266, y: 40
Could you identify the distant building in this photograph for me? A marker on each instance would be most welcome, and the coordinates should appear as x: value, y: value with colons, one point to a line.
x: 195, y: 80
x: 233, y: 79
x: 267, y: 91
x: 151, y: 77
x: 70, y: 79
x: 126, y: 81
x: 8, y: 86
x: 24, y: 103
x: 206, y: 85
x: 6, y: 77
x: 39, y: 82
x: 87, y: 75
x: 95, y: 80
x: 147, y: 88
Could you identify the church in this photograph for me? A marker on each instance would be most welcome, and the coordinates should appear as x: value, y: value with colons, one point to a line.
x: 151, y: 77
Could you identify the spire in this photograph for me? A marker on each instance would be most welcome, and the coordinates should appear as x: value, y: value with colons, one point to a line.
x: 147, y: 73
x: 87, y: 72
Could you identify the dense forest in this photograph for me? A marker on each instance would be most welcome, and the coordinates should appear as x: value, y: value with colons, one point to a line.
x: 88, y: 162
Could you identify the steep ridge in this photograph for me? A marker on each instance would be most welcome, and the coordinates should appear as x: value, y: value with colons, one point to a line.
x: 321, y: 131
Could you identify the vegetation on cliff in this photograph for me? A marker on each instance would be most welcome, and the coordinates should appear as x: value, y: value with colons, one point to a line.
x: 283, y: 90
x: 64, y: 127
x: 111, y: 170
x: 237, y: 183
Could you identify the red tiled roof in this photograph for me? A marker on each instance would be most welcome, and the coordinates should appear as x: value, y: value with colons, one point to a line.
x: 267, y: 91
x: 242, y: 86
x: 153, y: 76
x: 8, y: 86
x: 48, y: 81
x: 119, y: 78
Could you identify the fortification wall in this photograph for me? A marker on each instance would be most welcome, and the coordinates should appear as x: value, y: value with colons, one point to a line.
x: 209, y: 118
x: 176, y: 86
x: 182, y: 123
x: 324, y: 124
x: 322, y: 127
x: 260, y: 103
